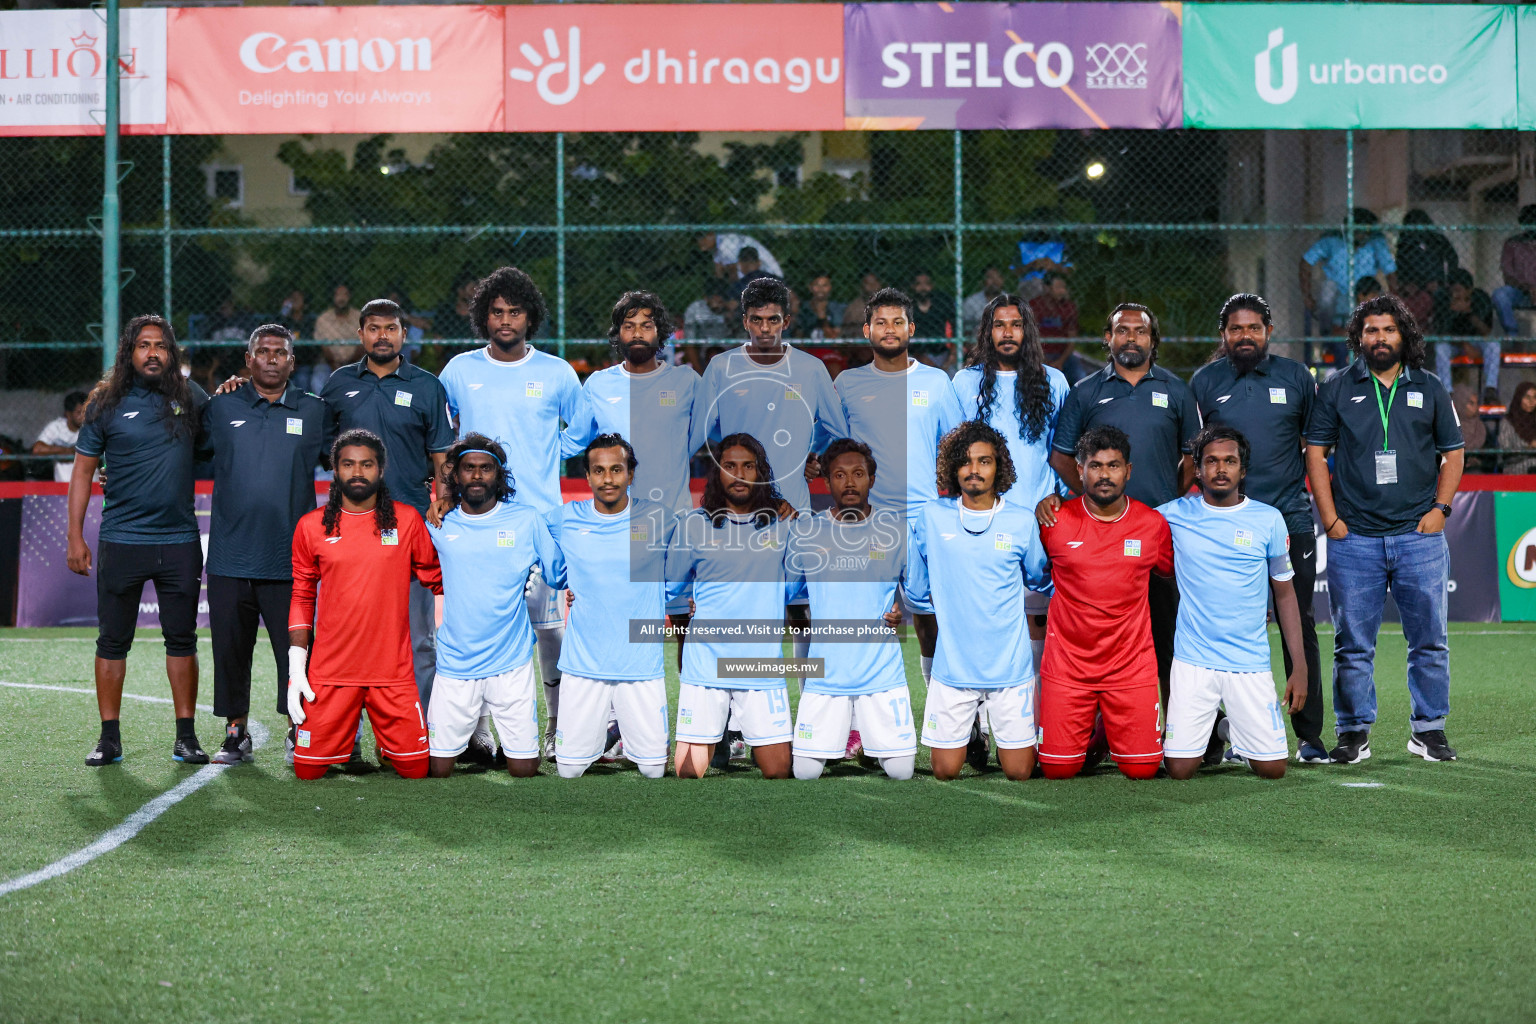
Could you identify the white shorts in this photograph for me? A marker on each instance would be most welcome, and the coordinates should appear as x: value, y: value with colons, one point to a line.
x: 546, y: 605
x: 885, y: 724
x: 510, y: 699
x: 761, y: 715
x: 1257, y: 722
x: 950, y: 710
x: 640, y: 706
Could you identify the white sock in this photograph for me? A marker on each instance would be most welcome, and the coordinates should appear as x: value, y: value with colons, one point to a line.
x: 808, y: 768
x: 483, y: 732
x: 570, y: 771
x: 899, y: 768
x: 548, y: 642
x: 1037, y: 651
x: 926, y: 664
x: 652, y: 771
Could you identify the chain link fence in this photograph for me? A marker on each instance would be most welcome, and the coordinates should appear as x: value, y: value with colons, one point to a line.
x: 227, y: 233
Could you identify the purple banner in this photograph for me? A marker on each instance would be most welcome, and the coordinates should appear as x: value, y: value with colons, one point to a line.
x: 1026, y: 65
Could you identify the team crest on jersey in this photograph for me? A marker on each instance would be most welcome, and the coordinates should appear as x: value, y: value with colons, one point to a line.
x: 804, y: 730
x: 506, y: 538
x: 1243, y: 539
x: 295, y: 425
x: 1133, y: 549
x: 176, y: 406
x: 668, y: 398
x: 403, y: 398
x: 640, y: 534
x: 920, y: 399
x: 1277, y: 396
x: 684, y: 716
x: 1160, y: 399
x: 765, y: 540
x: 1415, y: 399
x: 792, y: 393
x: 533, y: 389
x: 876, y: 554
x: 390, y: 538
x: 301, y: 738
x: 1002, y: 541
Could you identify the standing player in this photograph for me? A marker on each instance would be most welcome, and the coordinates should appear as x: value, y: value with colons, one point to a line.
x: 354, y: 563
x: 1099, y: 656
x: 850, y: 560
x: 732, y: 549
x: 973, y: 554
x: 266, y: 437
x: 1269, y: 399
x: 1229, y: 551
x: 513, y: 393
x: 487, y: 545
x: 142, y: 421
x: 614, y: 549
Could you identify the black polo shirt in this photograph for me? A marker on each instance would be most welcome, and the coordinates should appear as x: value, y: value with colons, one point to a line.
x: 1271, y: 405
x: 264, y: 458
x: 148, y: 466
x: 1158, y: 415
x: 407, y: 408
x: 1422, y: 425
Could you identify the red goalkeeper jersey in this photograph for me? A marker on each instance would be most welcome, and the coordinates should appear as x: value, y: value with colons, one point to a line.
x: 1099, y: 630
x: 362, y: 628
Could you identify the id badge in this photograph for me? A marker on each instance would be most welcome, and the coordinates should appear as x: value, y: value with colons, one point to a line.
x: 1386, y: 467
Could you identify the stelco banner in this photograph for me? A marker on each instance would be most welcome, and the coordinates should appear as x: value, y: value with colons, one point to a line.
x: 994, y: 65
x: 53, y: 70
x: 1349, y: 66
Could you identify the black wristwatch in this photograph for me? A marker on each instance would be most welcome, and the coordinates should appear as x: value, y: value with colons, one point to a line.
x: 1445, y: 510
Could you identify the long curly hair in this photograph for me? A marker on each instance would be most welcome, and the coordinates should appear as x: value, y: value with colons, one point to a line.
x: 765, y: 495
x: 1407, y: 327
x: 954, y: 452
x: 632, y: 302
x: 1032, y: 402
x: 384, y: 511
x: 119, y: 380
x: 477, y: 442
x: 510, y: 285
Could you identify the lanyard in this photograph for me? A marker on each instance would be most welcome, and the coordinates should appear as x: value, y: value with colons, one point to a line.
x: 1391, y: 393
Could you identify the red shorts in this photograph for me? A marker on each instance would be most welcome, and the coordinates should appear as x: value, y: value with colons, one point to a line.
x: 1130, y: 722
x: 327, y: 733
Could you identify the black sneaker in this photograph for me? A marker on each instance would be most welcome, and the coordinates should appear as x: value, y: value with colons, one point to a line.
x: 1431, y: 746
x: 356, y: 764
x: 1216, y: 746
x: 188, y: 751
x: 1353, y: 748
x: 106, y: 752
x: 479, y: 753
x: 976, y: 748
x: 236, y: 750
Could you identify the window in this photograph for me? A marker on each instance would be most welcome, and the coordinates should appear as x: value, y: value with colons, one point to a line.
x: 226, y: 183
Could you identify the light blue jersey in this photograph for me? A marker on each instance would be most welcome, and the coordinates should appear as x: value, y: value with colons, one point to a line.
x: 656, y: 413
x: 614, y: 565
x: 737, y: 570
x: 851, y: 571
x: 902, y: 417
x: 521, y: 405
x: 789, y: 406
x: 1031, y: 459
x: 1224, y: 559
x: 485, y: 561
x: 974, y: 566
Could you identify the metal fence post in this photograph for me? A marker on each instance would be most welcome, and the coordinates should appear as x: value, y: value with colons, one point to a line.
x: 165, y: 227
x: 560, y: 242
x: 111, y: 224
x: 1349, y: 214
x: 959, y: 228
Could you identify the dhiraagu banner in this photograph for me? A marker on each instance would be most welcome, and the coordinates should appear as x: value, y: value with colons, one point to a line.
x: 1526, y: 65
x: 1515, y: 522
x: 1349, y: 66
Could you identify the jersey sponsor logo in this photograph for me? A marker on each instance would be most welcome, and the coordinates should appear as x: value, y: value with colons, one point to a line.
x: 739, y: 392
x: 241, y: 423
x: 1358, y: 398
x: 390, y: 538
x: 533, y: 389
x: 684, y: 716
x: 1103, y: 401
x: 1415, y: 399
x: 295, y: 425
x: 615, y: 400
x: 867, y: 398
x: 667, y: 398
x: 920, y: 399
x: 477, y: 386
x: 948, y: 536
x: 403, y: 398
x: 130, y: 415
x: 1002, y: 541
x: 584, y: 530
x: 301, y: 738
x: 333, y: 540
x: 353, y: 394
x: 803, y: 730
x: 1222, y: 399
x: 1133, y: 549
x: 1277, y: 396
x: 506, y: 538
x: 1160, y: 399
x: 1243, y: 538
x: 450, y: 536
x: 1074, y: 543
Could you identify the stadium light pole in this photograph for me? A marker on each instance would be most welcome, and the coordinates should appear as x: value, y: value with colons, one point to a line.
x: 111, y: 226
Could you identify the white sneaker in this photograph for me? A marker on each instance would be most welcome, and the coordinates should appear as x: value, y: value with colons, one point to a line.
x: 549, y: 741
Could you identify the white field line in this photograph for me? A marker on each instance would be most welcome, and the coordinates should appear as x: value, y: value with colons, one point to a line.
x: 135, y: 822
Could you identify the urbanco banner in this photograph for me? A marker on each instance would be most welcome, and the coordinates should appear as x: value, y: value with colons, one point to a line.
x: 53, y: 72
x: 674, y: 67
x: 266, y: 70
x: 1021, y: 65
x: 1349, y: 66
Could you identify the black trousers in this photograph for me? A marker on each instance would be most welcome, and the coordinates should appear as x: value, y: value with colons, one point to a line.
x: 121, y: 572
x: 234, y: 604
x: 1163, y: 599
x: 1308, y: 722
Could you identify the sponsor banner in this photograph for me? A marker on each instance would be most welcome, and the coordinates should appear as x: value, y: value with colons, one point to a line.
x: 286, y: 70
x: 1349, y: 66
x: 674, y: 67
x: 1516, y: 552
x: 53, y: 72
x: 1525, y: 64
x: 1024, y: 65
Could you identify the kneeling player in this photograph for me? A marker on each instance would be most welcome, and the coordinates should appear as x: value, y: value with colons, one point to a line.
x: 1225, y: 547
x: 849, y: 561
x: 487, y: 544
x: 1098, y: 634
x: 614, y: 551
x: 974, y: 552
x: 364, y: 548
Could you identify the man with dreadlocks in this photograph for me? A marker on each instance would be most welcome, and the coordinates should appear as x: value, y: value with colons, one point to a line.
x: 487, y: 545
x: 361, y: 552
x: 142, y: 421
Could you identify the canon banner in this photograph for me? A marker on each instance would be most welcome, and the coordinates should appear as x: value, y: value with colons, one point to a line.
x: 287, y: 70
x: 53, y: 72
x: 674, y: 67
x: 980, y: 65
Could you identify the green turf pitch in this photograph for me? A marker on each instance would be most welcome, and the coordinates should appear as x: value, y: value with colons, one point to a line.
x: 852, y: 899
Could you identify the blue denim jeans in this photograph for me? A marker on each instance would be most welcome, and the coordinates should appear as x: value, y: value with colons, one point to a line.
x: 1493, y: 352
x: 1416, y: 567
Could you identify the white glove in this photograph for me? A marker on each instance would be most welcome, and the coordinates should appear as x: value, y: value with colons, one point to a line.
x: 535, y: 577
x: 298, y: 684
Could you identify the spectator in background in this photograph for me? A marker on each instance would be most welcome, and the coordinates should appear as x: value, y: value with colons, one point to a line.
x: 1517, y: 262
x: 749, y: 267
x: 1473, y: 430
x: 293, y: 316
x: 1467, y: 311
x: 59, y: 436
x: 820, y: 316
x: 1420, y: 302
x: 1518, y: 429
x: 336, y: 329
x: 452, y: 319
x: 708, y: 318
x: 933, y: 313
x: 853, y: 313
x: 1330, y: 307
x: 1056, y: 315
x: 1366, y: 288
x: 1037, y: 261
x: 1425, y: 259
x: 976, y: 302
x: 227, y: 324
x: 727, y: 246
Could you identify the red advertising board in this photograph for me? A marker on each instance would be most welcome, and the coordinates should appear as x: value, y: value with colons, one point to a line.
x: 270, y: 70
x: 674, y: 67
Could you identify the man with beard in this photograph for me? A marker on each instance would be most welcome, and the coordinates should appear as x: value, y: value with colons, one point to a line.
x: 1396, y: 466
x: 354, y: 563
x: 487, y: 545
x: 1268, y: 399
x: 142, y: 422
x: 516, y: 395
